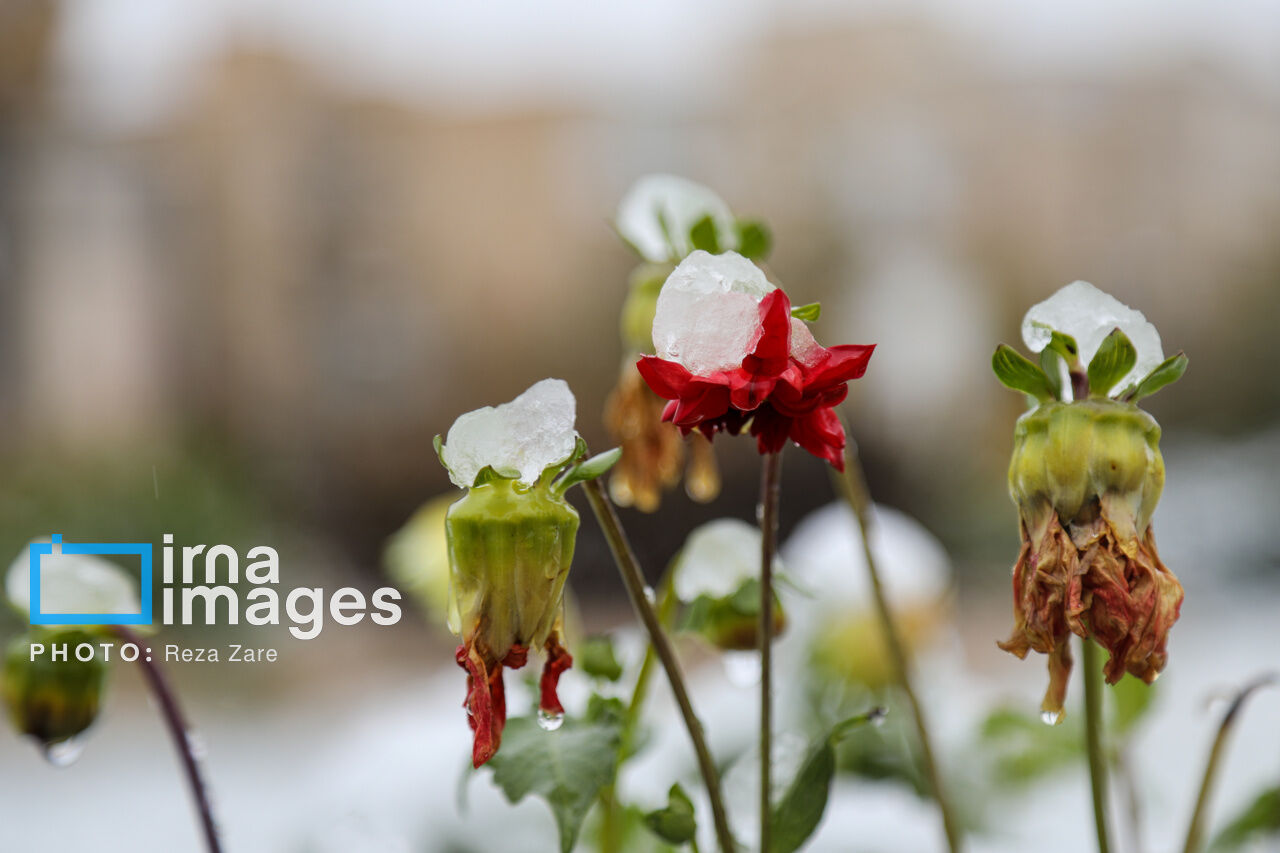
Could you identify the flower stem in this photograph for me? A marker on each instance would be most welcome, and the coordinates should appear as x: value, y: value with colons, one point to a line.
x: 1195, y: 830
x: 177, y: 725
x: 1093, y: 740
x: 770, y: 479
x: 852, y: 486
x: 633, y: 579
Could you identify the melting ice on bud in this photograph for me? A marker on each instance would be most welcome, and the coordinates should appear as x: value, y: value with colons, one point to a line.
x: 657, y: 213
x: 72, y: 583
x: 520, y: 439
x: 1088, y: 315
x: 708, y: 317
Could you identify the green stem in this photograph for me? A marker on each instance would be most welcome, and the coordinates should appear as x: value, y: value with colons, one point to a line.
x: 1093, y: 724
x: 633, y: 579
x: 852, y: 486
x: 1195, y: 830
x: 770, y: 480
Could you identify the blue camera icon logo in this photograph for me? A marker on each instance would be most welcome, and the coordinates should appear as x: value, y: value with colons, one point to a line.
x: 141, y: 549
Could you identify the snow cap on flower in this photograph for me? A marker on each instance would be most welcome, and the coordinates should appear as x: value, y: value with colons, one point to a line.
x: 657, y: 213
x: 72, y: 583
x: 718, y: 558
x: 1088, y: 315
x: 519, y: 440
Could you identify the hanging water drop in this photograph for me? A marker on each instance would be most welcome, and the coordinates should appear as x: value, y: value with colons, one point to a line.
x: 1050, y: 718
x: 649, y: 594
x: 63, y: 753
x: 876, y: 716
x: 549, y: 721
x: 742, y: 668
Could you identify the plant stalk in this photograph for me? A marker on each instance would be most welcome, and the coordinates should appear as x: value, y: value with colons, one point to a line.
x: 1093, y: 724
x: 171, y: 712
x: 770, y: 481
x: 1195, y: 830
x: 852, y: 486
x: 633, y: 579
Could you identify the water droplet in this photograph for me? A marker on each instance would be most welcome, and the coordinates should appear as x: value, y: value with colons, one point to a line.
x: 877, y: 715
x: 1050, y: 718
x: 549, y: 721
x: 742, y: 668
x: 649, y: 594
x: 63, y: 753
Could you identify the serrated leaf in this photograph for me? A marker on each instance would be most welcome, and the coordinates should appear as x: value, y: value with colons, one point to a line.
x: 567, y: 768
x: 1131, y: 699
x: 754, y: 239
x: 1259, y: 820
x: 1111, y: 363
x: 589, y: 470
x: 797, y: 814
x: 809, y: 313
x: 674, y: 824
x: 595, y: 656
x: 1169, y: 371
x: 703, y: 236
x: 1016, y: 371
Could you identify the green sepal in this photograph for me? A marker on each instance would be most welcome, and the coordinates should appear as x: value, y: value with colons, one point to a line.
x: 797, y: 814
x: 754, y: 239
x: 438, y: 444
x: 1065, y: 346
x: 1168, y: 372
x: 568, y: 768
x: 1051, y: 364
x: 489, y: 474
x: 588, y: 470
x: 595, y: 656
x: 809, y: 313
x: 703, y: 235
x: 674, y: 824
x: 1111, y: 363
x: 1016, y: 371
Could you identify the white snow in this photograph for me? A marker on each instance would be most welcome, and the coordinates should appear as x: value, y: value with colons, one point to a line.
x: 72, y: 583
x: 708, y: 317
x: 681, y: 204
x: 718, y: 558
x: 519, y: 439
x: 1088, y: 314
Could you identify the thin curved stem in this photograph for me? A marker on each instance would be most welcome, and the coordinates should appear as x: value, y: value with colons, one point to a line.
x: 770, y: 480
x: 852, y: 486
x: 1195, y: 830
x: 633, y: 579
x: 171, y: 712
x: 1093, y: 724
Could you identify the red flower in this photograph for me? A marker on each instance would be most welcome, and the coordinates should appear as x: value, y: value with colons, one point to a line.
x: 783, y: 393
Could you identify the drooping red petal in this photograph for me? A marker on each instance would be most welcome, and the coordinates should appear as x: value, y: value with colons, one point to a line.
x: 838, y: 364
x: 558, y: 660
x: 822, y: 434
x: 485, y: 703
x: 700, y: 401
x: 668, y: 379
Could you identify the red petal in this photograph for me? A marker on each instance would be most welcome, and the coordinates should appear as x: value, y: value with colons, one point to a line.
x: 770, y: 429
x: 558, y: 660
x: 668, y: 379
x: 822, y: 434
x: 700, y: 401
x: 839, y: 364
x: 485, y: 703
x: 773, y: 345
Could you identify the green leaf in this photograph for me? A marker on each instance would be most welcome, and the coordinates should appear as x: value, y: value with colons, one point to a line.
x: 568, y: 767
x: 703, y: 236
x: 1169, y: 371
x: 1259, y: 820
x: 1111, y: 363
x: 1016, y: 371
x: 589, y: 470
x: 1131, y: 699
x: 674, y: 824
x: 809, y: 313
x: 595, y: 657
x: 1051, y: 364
x: 1022, y: 748
x: 797, y: 814
x: 754, y: 239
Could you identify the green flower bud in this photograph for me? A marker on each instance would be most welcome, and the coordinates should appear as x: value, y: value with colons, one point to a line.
x: 52, y: 700
x: 732, y: 623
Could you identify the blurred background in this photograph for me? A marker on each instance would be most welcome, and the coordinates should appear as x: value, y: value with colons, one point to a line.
x: 254, y: 256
